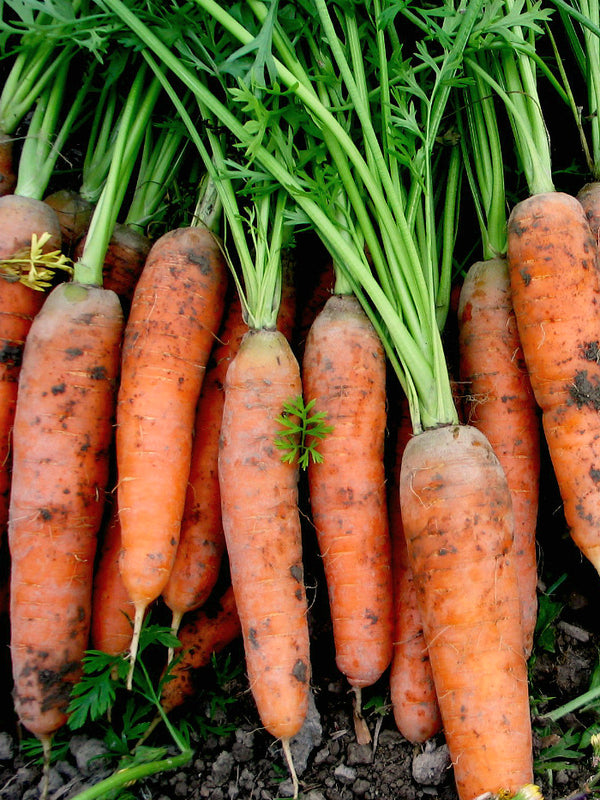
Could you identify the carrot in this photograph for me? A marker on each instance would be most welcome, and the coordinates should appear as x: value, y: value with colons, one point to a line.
x: 74, y: 213
x: 589, y: 197
x: 501, y: 404
x: 259, y: 497
x: 62, y: 431
x: 175, y: 315
x: 125, y: 258
x: 19, y: 303
x: 456, y: 510
x: 315, y: 295
x: 344, y: 372
x: 8, y: 173
x: 112, y: 610
x: 202, y: 541
x: 412, y: 688
x: 208, y: 631
x: 554, y: 275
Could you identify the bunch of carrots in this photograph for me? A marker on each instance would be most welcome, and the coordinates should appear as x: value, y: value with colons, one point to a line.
x: 169, y: 367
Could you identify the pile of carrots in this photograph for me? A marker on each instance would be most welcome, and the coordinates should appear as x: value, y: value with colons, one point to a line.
x: 159, y: 396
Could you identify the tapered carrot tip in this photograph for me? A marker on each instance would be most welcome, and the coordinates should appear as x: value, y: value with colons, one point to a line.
x: 285, y: 745
x: 47, y: 752
x: 140, y: 610
x: 361, y: 729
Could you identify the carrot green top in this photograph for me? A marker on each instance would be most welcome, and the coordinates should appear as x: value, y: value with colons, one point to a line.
x: 350, y: 136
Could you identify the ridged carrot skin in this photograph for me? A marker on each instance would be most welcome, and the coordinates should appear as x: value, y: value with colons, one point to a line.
x: 259, y: 500
x: 202, y: 541
x: 499, y: 401
x: 207, y: 631
x: 112, y: 610
x: 456, y: 510
x: 412, y: 688
x: 344, y: 371
x: 175, y: 315
x: 63, y: 429
x: 553, y: 261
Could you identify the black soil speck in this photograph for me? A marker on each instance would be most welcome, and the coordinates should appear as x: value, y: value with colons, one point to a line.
x: 585, y: 392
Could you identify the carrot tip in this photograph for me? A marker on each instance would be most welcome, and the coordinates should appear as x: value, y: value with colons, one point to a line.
x: 46, y: 742
x: 361, y: 729
x: 135, y: 640
x: 285, y: 744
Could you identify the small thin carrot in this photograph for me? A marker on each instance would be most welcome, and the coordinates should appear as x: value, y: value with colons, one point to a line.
x: 456, y: 511
x: 344, y: 371
x: 175, y: 316
x: 412, y: 688
x: 209, y: 630
x: 259, y: 499
x: 112, y: 610
x: 500, y: 403
x: 202, y: 541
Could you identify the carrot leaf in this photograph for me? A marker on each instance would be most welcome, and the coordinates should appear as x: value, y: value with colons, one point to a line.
x: 33, y: 267
x: 301, y: 432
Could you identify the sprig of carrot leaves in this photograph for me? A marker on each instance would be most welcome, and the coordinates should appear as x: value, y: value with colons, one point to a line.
x: 301, y: 432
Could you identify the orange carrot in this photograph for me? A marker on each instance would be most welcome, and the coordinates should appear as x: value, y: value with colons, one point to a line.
x: 19, y: 303
x: 553, y: 262
x: 112, y: 610
x: 202, y: 542
x: 501, y: 404
x: 175, y: 315
x: 412, y: 688
x: 259, y: 499
x: 456, y: 510
x: 344, y: 372
x: 62, y: 432
x: 208, y: 631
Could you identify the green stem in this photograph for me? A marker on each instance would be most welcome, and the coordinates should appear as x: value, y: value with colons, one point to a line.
x: 129, y: 775
x: 136, y: 114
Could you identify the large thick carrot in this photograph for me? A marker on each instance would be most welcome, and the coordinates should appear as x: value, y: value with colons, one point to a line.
x: 499, y: 401
x: 175, y: 316
x: 344, y: 371
x: 412, y: 688
x: 555, y: 284
x: 62, y: 432
x: 259, y: 499
x: 202, y: 541
x: 456, y: 510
